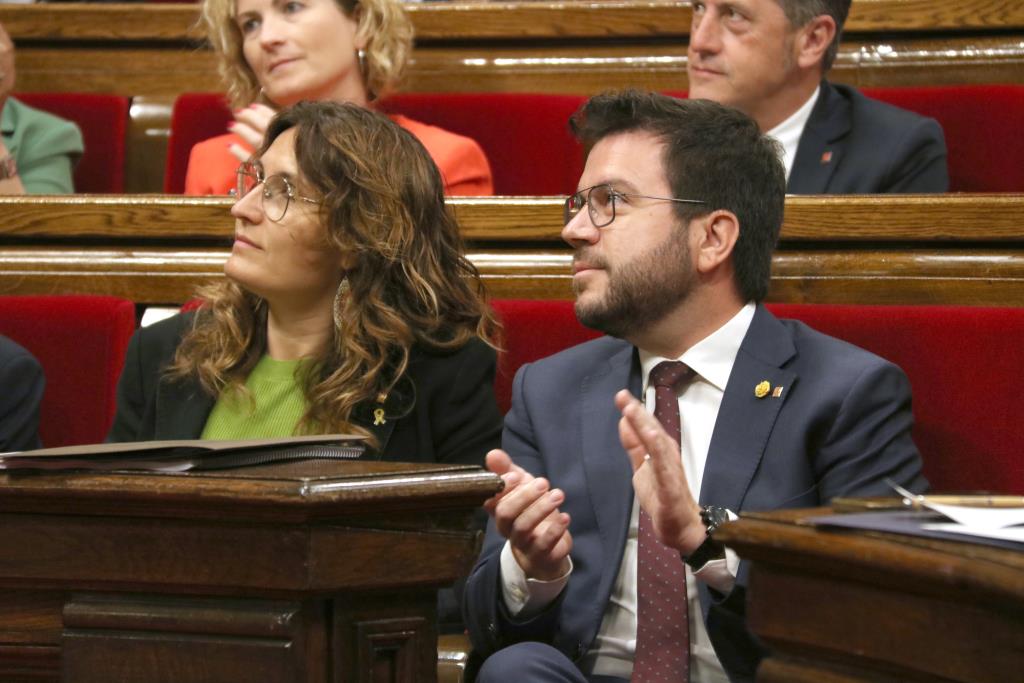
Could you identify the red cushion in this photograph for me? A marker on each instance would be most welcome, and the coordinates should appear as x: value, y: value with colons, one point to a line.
x: 525, y: 136
x: 965, y: 365
x: 80, y: 341
x: 195, y: 117
x: 533, y: 330
x: 982, y: 124
x: 103, y: 120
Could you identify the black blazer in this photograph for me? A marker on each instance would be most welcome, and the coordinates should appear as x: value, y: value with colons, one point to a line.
x: 21, y: 391
x: 443, y: 411
x: 853, y: 144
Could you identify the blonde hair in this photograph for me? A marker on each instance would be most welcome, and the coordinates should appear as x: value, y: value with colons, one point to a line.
x: 382, y: 200
x: 383, y: 24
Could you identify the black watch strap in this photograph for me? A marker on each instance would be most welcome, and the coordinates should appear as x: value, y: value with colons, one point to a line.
x: 713, y: 517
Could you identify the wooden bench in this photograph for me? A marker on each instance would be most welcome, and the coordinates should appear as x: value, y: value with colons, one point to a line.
x: 152, y: 52
x: 949, y: 249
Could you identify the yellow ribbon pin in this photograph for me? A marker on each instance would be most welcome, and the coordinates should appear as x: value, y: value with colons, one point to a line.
x: 378, y: 416
x: 762, y: 389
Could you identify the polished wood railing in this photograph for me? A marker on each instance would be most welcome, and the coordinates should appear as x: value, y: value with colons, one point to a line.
x: 954, y: 249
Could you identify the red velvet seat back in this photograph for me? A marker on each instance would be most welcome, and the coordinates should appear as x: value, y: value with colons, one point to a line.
x: 533, y: 330
x: 965, y: 366
x: 524, y: 135
x: 103, y: 120
x: 80, y: 341
x: 196, y: 116
x: 982, y: 124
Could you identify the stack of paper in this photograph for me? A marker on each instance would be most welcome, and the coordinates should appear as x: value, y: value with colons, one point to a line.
x: 184, y: 455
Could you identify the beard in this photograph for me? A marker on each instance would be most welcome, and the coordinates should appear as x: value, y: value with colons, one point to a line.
x: 641, y: 291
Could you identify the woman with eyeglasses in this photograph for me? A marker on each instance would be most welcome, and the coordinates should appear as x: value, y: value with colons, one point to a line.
x: 274, y: 53
x: 348, y: 307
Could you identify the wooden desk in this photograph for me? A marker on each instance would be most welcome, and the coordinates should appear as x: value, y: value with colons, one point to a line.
x: 844, y: 607
x: 313, y: 572
x: 885, y: 249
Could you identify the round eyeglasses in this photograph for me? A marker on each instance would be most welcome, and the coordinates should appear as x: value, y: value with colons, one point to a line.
x: 600, y: 201
x: 277, y: 191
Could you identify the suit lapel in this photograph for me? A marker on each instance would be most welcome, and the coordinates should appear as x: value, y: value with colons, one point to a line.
x: 822, y: 144
x: 745, y: 421
x: 608, y: 472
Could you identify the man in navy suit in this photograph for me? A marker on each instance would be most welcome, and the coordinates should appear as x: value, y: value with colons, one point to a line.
x: 673, y: 230
x: 768, y: 58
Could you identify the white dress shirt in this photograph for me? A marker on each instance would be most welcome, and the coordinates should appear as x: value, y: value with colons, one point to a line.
x: 789, y: 131
x: 612, y: 651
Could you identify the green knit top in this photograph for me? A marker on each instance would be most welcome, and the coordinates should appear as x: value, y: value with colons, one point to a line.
x: 274, y: 409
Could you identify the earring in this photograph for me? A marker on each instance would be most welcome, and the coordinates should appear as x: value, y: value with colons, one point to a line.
x: 361, y: 58
x: 339, y: 301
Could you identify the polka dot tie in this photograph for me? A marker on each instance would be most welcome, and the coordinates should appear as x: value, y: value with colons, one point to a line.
x: 662, y: 633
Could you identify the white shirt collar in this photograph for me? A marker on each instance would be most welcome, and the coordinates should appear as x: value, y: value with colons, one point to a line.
x: 713, y: 356
x: 789, y: 131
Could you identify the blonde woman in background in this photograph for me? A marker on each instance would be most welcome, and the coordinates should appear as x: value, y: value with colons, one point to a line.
x: 274, y: 53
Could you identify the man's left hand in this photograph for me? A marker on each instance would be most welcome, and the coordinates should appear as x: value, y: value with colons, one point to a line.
x: 659, y: 480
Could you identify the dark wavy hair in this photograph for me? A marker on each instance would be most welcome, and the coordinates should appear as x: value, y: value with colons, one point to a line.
x: 382, y: 200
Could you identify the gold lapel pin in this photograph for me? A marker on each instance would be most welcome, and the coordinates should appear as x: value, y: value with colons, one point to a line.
x: 762, y: 389
x: 378, y: 416
x: 776, y: 392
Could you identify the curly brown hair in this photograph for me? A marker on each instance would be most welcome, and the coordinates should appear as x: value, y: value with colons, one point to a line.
x: 383, y: 24
x: 382, y: 200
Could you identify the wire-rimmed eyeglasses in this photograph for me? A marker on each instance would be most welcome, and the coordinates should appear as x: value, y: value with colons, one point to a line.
x: 277, y: 191
x: 600, y: 201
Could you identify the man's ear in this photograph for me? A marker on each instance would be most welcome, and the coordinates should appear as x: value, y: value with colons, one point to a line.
x: 716, y: 236
x: 813, y: 39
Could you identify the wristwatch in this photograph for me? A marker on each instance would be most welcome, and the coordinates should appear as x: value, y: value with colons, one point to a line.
x: 8, y: 169
x: 713, y: 517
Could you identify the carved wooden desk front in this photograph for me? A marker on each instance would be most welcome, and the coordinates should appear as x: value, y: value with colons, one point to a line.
x: 312, y: 572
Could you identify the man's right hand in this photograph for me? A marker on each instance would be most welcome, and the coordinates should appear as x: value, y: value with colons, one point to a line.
x: 526, y: 513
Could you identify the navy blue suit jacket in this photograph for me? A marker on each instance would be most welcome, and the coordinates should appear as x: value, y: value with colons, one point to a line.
x: 21, y: 391
x: 853, y: 144
x: 840, y: 427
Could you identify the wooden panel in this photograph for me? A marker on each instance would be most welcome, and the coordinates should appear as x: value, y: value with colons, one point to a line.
x: 542, y: 47
x: 192, y: 640
x: 614, y: 18
x: 993, y: 218
x: 867, y: 607
x: 963, y: 249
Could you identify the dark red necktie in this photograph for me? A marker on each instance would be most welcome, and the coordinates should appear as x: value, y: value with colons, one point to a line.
x: 662, y: 628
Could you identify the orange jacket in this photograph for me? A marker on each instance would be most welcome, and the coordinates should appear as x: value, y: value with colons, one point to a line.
x: 464, y: 168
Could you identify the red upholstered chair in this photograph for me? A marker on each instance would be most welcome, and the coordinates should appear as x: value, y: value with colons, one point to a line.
x: 195, y: 117
x: 965, y: 365
x: 103, y: 120
x: 982, y: 125
x: 80, y: 341
x: 525, y: 136
x: 533, y: 330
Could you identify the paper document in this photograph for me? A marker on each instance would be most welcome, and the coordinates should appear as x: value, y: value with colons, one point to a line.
x: 185, y: 454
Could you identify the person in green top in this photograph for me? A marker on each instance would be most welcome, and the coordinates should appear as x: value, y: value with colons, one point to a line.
x: 349, y: 306
x: 38, y: 151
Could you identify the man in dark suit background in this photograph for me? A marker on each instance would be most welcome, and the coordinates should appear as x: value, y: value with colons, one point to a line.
x: 673, y: 231
x: 21, y: 391
x: 768, y: 58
